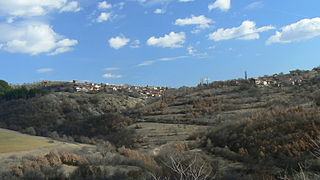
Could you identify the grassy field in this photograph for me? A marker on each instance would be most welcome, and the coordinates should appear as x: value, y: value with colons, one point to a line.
x: 11, y: 141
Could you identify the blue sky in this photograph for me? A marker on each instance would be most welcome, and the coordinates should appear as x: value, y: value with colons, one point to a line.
x: 155, y: 42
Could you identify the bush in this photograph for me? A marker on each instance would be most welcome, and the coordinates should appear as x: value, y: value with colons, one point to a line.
x: 30, y: 130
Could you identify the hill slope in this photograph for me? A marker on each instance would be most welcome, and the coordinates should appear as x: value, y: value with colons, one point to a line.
x: 246, y: 127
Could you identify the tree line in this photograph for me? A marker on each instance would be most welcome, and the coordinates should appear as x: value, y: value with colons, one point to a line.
x: 8, y: 93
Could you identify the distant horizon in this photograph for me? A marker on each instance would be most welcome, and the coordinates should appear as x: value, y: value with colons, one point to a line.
x: 210, y: 81
x: 169, y: 43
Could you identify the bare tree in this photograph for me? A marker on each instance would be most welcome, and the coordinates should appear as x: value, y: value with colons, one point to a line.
x: 191, y: 169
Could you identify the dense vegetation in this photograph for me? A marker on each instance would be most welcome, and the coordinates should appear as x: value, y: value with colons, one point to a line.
x: 269, y: 141
x: 8, y: 93
x: 81, y: 117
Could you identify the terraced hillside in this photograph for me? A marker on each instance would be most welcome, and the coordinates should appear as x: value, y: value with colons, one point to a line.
x: 211, y: 105
x: 188, y: 110
x: 243, y: 127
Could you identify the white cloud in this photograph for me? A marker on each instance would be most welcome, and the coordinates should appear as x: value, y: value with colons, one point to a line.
x: 246, y: 31
x: 192, y: 51
x: 195, y: 53
x: 186, y: 0
x: 64, y: 45
x: 172, y: 40
x: 10, y: 20
x: 104, y: 5
x: 120, y: 5
x: 103, y: 17
x: 67, y: 43
x: 146, y: 63
x: 223, y: 5
x: 30, y: 8
x: 201, y: 21
x: 154, y: 2
x: 172, y: 58
x: 118, y: 42
x: 301, y: 30
x: 159, y: 11
x: 33, y: 38
x: 255, y: 5
x: 112, y: 76
x: 112, y: 69
x: 150, y: 62
x: 44, y: 70
x: 61, y: 50
x: 72, y: 6
x: 135, y: 44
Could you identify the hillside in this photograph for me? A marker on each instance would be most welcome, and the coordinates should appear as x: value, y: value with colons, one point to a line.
x: 210, y: 104
x: 267, y: 125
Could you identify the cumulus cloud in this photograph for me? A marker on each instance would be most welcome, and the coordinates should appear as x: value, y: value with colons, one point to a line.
x: 104, y: 5
x: 223, y: 5
x: 159, y: 11
x: 118, y: 42
x: 186, y: 0
x: 301, y: 30
x: 172, y: 40
x: 103, y: 17
x: 112, y: 76
x: 33, y: 38
x: 202, y: 22
x: 24, y: 8
x: 64, y: 45
x: 246, y: 31
x: 72, y: 6
x: 44, y: 70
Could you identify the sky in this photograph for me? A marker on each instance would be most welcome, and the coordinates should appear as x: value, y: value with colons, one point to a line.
x: 155, y: 42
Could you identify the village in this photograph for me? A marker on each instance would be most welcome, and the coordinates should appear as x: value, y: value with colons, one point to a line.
x: 294, y: 78
x: 143, y: 91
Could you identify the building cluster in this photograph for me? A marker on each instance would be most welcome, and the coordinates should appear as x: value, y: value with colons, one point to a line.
x: 295, y: 78
x: 144, y: 91
x: 87, y: 87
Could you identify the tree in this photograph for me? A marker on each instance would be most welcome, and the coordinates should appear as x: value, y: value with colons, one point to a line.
x: 4, y: 87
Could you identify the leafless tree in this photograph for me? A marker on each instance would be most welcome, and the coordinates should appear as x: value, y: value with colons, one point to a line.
x: 193, y: 169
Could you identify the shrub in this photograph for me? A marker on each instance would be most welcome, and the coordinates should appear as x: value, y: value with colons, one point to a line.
x: 30, y: 130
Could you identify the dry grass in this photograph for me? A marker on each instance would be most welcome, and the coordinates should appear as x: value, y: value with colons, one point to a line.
x: 11, y: 141
x: 145, y: 158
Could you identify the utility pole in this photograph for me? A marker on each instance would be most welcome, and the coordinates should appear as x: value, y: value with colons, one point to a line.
x: 245, y: 75
x: 205, y: 81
